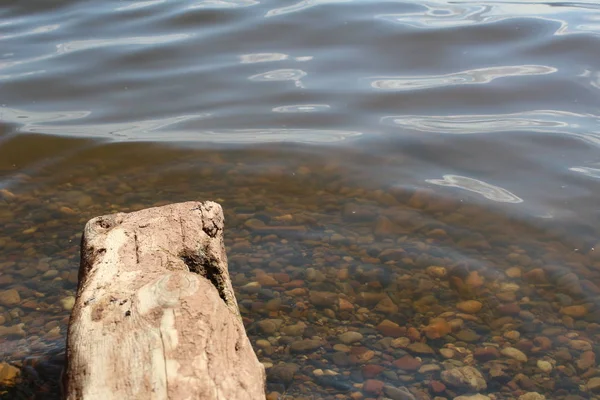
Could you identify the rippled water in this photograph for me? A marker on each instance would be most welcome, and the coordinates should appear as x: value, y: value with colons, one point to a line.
x: 374, y: 139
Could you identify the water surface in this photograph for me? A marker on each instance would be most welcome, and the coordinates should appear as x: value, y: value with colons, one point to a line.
x: 377, y: 161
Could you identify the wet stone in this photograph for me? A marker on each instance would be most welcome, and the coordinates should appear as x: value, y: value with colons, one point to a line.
x: 12, y: 331
x: 269, y: 326
x: 514, y: 353
x: 305, y: 345
x: 429, y: 368
x: 466, y: 378
x: 371, y: 370
x: 467, y: 335
x: 336, y: 382
x: 469, y: 306
x: 398, y: 393
x: 67, y: 303
x: 473, y: 397
x: 486, y: 354
x: 407, y: 363
x: 8, y: 374
x: 593, y: 385
x: 9, y: 298
x: 389, y: 328
x: 577, y: 311
x: 323, y: 299
x: 294, y: 330
x: 386, y: 306
x: 420, y: 348
x: 437, y: 328
x: 580, y: 345
x: 586, y: 360
x: 544, y: 366
x: 532, y: 396
x: 373, y: 387
x: 437, y: 387
x: 350, y: 337
x: 283, y: 373
x: 342, y: 359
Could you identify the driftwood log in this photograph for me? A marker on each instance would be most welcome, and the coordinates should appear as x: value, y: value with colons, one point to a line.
x: 155, y: 315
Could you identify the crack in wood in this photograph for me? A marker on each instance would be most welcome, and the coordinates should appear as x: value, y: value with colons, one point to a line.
x: 200, y: 263
x: 137, y: 248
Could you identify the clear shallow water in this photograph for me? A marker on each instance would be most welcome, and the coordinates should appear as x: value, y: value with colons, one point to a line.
x: 476, y: 118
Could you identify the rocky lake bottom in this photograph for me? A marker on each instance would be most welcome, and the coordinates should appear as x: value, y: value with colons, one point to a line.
x: 347, y: 291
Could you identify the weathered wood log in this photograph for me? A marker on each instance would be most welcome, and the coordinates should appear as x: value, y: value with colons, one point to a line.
x: 155, y: 315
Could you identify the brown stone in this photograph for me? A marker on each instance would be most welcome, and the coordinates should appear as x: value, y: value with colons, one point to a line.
x: 281, y: 277
x: 373, y: 386
x: 486, y: 353
x: 413, y: 334
x: 509, y: 309
x: 436, y: 387
x: 569, y: 283
x: 469, y: 306
x: 437, y: 328
x: 371, y: 370
x: 392, y: 255
x: 13, y: 331
x: 383, y: 227
x: 577, y: 311
x: 369, y: 298
x: 386, y: 306
x: 407, y: 363
x: 586, y: 360
x: 389, y: 328
x: 9, y: 298
x: 543, y: 342
x: 420, y: 348
x: 8, y: 374
x: 345, y: 305
x: 266, y: 280
x: 156, y: 304
x: 474, y: 279
x: 536, y: 276
x: 323, y: 299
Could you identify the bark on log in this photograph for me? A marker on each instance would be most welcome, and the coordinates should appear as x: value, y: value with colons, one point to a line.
x: 155, y: 315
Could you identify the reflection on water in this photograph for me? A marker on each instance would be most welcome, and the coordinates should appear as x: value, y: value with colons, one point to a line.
x: 301, y: 6
x: 587, y: 171
x: 582, y: 126
x: 418, y: 197
x: 34, y: 31
x: 79, y: 45
x: 262, y: 57
x: 488, y: 191
x: 475, y: 76
x: 302, y: 108
x: 223, y: 4
x: 442, y: 14
x: 281, y: 75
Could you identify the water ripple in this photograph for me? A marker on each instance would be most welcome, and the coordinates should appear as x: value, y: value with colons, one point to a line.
x: 582, y: 126
x: 262, y: 57
x: 301, y: 6
x: 487, y: 190
x: 280, y: 75
x: 78, y: 45
x: 33, y: 31
x: 302, y: 108
x: 468, y: 77
x: 587, y: 171
x: 223, y: 4
x: 140, y: 4
x: 443, y: 14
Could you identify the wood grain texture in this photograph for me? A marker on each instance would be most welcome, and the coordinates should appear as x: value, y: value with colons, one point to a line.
x: 155, y: 315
